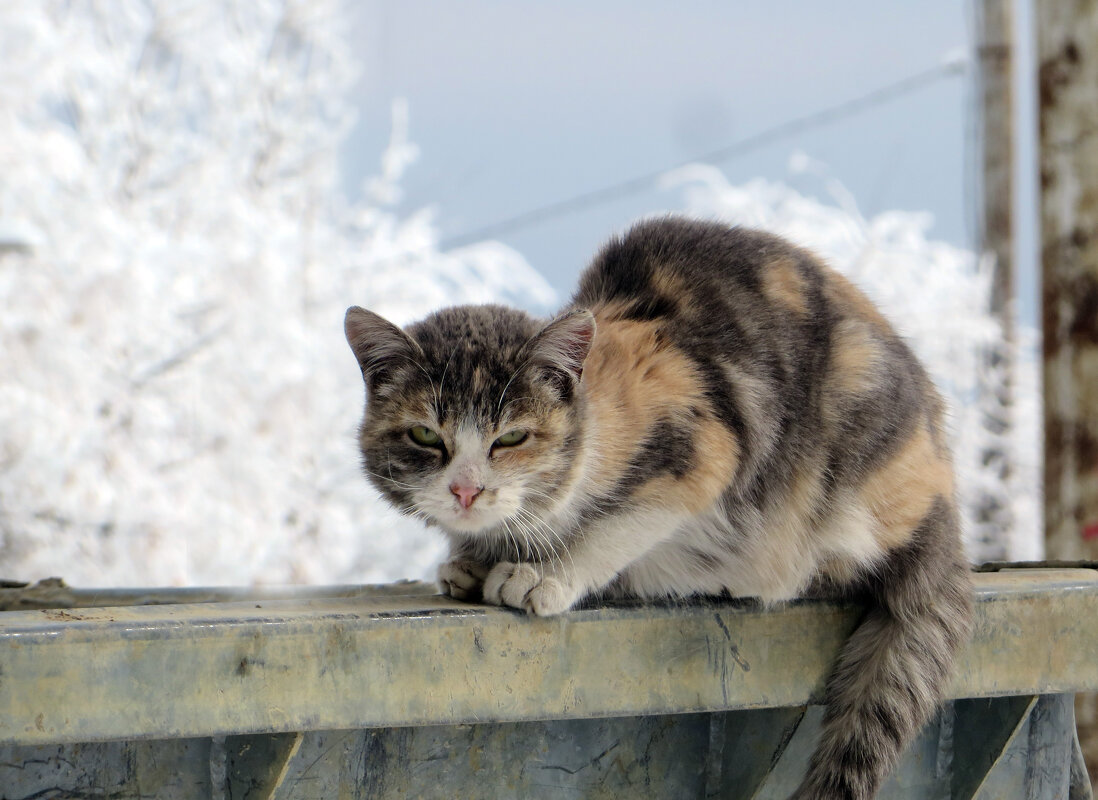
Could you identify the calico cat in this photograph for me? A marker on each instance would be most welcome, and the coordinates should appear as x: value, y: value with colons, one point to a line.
x: 714, y: 411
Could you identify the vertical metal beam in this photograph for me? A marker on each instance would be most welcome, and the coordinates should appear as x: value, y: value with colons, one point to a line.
x: 256, y: 765
x: 1068, y: 53
x: 994, y: 48
x: 1080, y: 786
x: 752, y: 745
x: 1067, y: 48
x: 994, y: 26
x: 986, y: 728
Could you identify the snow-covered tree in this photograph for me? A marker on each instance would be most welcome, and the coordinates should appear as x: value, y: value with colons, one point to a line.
x: 177, y: 403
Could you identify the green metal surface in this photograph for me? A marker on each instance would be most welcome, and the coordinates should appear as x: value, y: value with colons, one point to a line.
x: 257, y: 766
x: 734, y: 755
x: 176, y: 769
x: 383, y: 659
x: 55, y: 593
x: 976, y: 756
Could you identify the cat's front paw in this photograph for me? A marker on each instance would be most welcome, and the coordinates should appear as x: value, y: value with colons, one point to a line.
x: 462, y: 579
x: 529, y: 587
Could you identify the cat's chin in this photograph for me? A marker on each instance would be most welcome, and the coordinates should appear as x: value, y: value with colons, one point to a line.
x: 468, y: 524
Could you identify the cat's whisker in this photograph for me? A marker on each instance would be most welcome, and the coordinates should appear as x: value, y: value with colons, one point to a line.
x: 551, y: 499
x: 534, y: 517
x: 389, y: 466
x: 417, y: 513
x: 537, y: 522
x: 434, y: 388
x: 510, y: 380
x: 543, y: 552
x: 530, y: 537
x: 539, y: 492
x: 514, y: 541
x: 446, y: 369
x: 391, y: 479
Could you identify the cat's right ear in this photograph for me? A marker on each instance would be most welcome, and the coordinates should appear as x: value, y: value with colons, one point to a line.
x: 378, y: 344
x: 562, y: 345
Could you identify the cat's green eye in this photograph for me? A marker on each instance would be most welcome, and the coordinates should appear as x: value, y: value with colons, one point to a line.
x: 424, y: 436
x: 510, y: 439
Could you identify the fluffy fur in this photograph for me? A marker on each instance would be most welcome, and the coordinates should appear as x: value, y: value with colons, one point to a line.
x: 715, y: 411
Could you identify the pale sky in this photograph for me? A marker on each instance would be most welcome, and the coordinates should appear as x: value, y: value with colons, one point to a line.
x: 515, y: 105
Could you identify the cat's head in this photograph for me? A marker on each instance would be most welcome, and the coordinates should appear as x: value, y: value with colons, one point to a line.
x: 474, y: 416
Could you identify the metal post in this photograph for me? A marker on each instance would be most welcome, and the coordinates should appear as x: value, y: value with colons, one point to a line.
x: 1067, y: 47
x: 994, y: 46
x: 995, y: 32
x: 1068, y: 52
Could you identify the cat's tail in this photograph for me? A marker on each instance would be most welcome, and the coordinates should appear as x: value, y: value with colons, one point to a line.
x: 892, y: 670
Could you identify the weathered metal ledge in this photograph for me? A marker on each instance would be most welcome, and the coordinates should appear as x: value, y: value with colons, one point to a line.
x: 400, y: 657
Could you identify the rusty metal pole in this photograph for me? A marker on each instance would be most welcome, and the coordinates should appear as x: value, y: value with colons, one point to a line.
x: 1068, y: 53
x: 1067, y: 49
x: 995, y: 32
x: 995, y: 90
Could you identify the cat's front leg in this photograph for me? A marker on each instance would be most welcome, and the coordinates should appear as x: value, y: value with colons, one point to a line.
x: 462, y: 576
x: 587, y: 562
x: 534, y: 588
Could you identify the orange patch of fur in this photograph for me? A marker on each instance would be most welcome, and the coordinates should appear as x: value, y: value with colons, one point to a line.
x: 717, y: 454
x: 783, y: 285
x: 856, y: 358
x: 669, y: 285
x: 634, y: 379
x: 479, y: 379
x: 848, y: 297
x: 900, y: 494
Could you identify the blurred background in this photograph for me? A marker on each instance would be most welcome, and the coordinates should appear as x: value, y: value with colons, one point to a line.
x: 192, y: 193
x: 519, y: 106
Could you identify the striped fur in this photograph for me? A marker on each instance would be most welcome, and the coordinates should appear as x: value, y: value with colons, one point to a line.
x: 715, y: 411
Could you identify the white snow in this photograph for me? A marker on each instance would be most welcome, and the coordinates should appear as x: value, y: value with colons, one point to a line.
x: 177, y: 403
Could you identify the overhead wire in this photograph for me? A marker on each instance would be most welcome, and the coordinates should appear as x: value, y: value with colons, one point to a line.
x: 615, y: 191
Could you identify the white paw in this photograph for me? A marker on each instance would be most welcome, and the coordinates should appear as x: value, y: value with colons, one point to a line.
x: 528, y: 587
x: 462, y: 579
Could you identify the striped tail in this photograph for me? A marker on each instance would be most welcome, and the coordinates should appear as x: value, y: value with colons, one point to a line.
x: 892, y: 671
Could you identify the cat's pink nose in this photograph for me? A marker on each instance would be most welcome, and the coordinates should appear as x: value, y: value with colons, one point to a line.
x: 466, y: 493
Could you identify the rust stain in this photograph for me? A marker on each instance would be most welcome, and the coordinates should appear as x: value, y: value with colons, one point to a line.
x: 1069, y: 228
x: 59, y: 615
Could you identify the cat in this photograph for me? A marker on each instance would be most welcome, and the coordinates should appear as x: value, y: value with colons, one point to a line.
x: 715, y: 411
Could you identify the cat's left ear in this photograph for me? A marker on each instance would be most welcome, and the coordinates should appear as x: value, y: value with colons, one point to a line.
x: 378, y: 344
x: 564, y: 343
